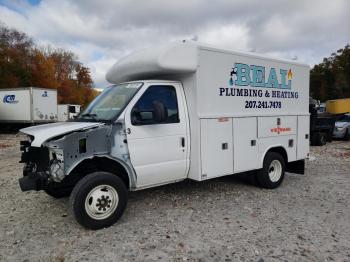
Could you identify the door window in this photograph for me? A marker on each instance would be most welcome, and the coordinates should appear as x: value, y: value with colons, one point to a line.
x: 155, y: 98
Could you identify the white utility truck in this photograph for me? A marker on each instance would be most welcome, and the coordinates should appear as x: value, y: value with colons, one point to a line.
x: 174, y: 112
x: 28, y: 105
x: 67, y: 112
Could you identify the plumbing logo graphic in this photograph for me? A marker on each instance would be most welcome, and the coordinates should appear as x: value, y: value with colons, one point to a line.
x: 259, y: 76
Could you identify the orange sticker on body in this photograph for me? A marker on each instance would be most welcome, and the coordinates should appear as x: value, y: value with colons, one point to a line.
x: 223, y: 119
x: 279, y: 130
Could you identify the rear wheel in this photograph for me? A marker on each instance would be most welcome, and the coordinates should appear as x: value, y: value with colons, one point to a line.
x: 98, y: 200
x: 272, y: 173
x: 321, y: 139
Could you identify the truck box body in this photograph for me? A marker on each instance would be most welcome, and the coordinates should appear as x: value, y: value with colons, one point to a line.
x: 28, y: 105
x: 239, y: 104
x: 338, y: 106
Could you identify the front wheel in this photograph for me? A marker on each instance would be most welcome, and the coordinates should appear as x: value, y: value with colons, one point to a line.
x: 272, y: 173
x: 98, y: 200
x: 58, y: 191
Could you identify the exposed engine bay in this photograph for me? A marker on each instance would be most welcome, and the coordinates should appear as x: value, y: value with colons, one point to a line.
x: 55, y: 159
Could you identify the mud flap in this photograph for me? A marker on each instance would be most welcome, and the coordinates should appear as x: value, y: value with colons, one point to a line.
x: 32, y: 182
x: 296, y: 167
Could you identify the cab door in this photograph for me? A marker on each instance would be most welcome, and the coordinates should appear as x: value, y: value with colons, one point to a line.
x: 158, y: 142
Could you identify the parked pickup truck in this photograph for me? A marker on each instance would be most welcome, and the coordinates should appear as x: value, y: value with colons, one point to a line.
x: 321, y: 126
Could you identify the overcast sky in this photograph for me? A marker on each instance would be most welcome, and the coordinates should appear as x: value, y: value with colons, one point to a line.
x: 100, y: 32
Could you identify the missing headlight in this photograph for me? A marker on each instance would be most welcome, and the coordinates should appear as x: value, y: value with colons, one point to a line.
x: 82, y: 145
x: 57, y: 164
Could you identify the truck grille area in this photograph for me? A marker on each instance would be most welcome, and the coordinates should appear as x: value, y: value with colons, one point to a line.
x: 37, y: 157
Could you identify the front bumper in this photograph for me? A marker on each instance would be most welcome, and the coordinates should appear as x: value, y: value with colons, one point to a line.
x: 35, y: 171
x: 339, y: 133
x: 33, y: 181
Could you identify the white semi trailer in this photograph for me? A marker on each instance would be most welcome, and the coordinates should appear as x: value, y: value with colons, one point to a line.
x: 28, y: 105
x: 174, y: 112
x: 67, y: 112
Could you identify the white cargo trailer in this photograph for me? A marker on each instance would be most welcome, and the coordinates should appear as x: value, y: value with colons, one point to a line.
x: 66, y: 112
x: 28, y: 105
x: 179, y: 111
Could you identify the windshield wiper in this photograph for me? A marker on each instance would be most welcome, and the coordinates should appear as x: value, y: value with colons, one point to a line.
x: 89, y: 115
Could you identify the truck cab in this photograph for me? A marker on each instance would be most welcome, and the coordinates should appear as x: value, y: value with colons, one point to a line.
x: 195, y: 121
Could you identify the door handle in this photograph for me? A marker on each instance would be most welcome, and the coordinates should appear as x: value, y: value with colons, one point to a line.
x: 182, y: 142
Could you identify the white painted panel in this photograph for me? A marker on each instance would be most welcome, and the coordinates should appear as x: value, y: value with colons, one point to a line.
x: 158, y: 159
x: 268, y: 126
x: 217, y: 97
x: 15, y: 105
x: 278, y: 141
x: 156, y: 152
x: 245, y: 152
x: 303, y: 136
x: 62, y: 113
x: 216, y: 160
x: 44, y: 105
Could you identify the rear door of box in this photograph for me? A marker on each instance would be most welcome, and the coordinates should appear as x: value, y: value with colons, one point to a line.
x: 44, y: 105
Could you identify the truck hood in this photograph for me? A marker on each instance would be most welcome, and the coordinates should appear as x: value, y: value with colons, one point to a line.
x: 43, y: 133
x: 341, y: 124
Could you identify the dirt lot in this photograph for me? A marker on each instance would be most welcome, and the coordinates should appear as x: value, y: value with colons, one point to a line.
x: 306, y: 219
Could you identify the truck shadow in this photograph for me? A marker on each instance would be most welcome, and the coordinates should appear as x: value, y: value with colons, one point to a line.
x: 189, y: 187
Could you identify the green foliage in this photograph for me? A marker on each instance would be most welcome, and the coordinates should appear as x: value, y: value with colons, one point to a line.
x: 24, y: 64
x: 331, y: 78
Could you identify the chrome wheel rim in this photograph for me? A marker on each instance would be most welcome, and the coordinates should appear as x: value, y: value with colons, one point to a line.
x: 101, y: 202
x: 275, y: 170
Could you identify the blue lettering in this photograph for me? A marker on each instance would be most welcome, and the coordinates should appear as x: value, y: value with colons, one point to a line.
x: 272, y: 81
x: 243, y: 74
x: 283, y: 79
x: 258, y: 78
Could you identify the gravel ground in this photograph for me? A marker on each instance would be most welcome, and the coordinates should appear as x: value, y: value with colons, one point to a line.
x: 306, y: 219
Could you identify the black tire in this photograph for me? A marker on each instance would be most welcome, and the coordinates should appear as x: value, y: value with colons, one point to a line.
x: 347, y: 135
x: 313, y: 140
x: 57, y: 191
x: 263, y: 175
x: 321, y: 139
x: 81, y: 192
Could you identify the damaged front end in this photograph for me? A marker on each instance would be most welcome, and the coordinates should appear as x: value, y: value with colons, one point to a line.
x: 49, y: 161
x: 36, y: 163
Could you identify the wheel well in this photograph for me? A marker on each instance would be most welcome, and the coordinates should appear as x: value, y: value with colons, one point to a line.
x: 280, y: 150
x: 96, y: 164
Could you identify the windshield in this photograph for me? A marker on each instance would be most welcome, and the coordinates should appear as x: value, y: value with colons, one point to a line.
x: 345, y: 118
x: 110, y: 103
